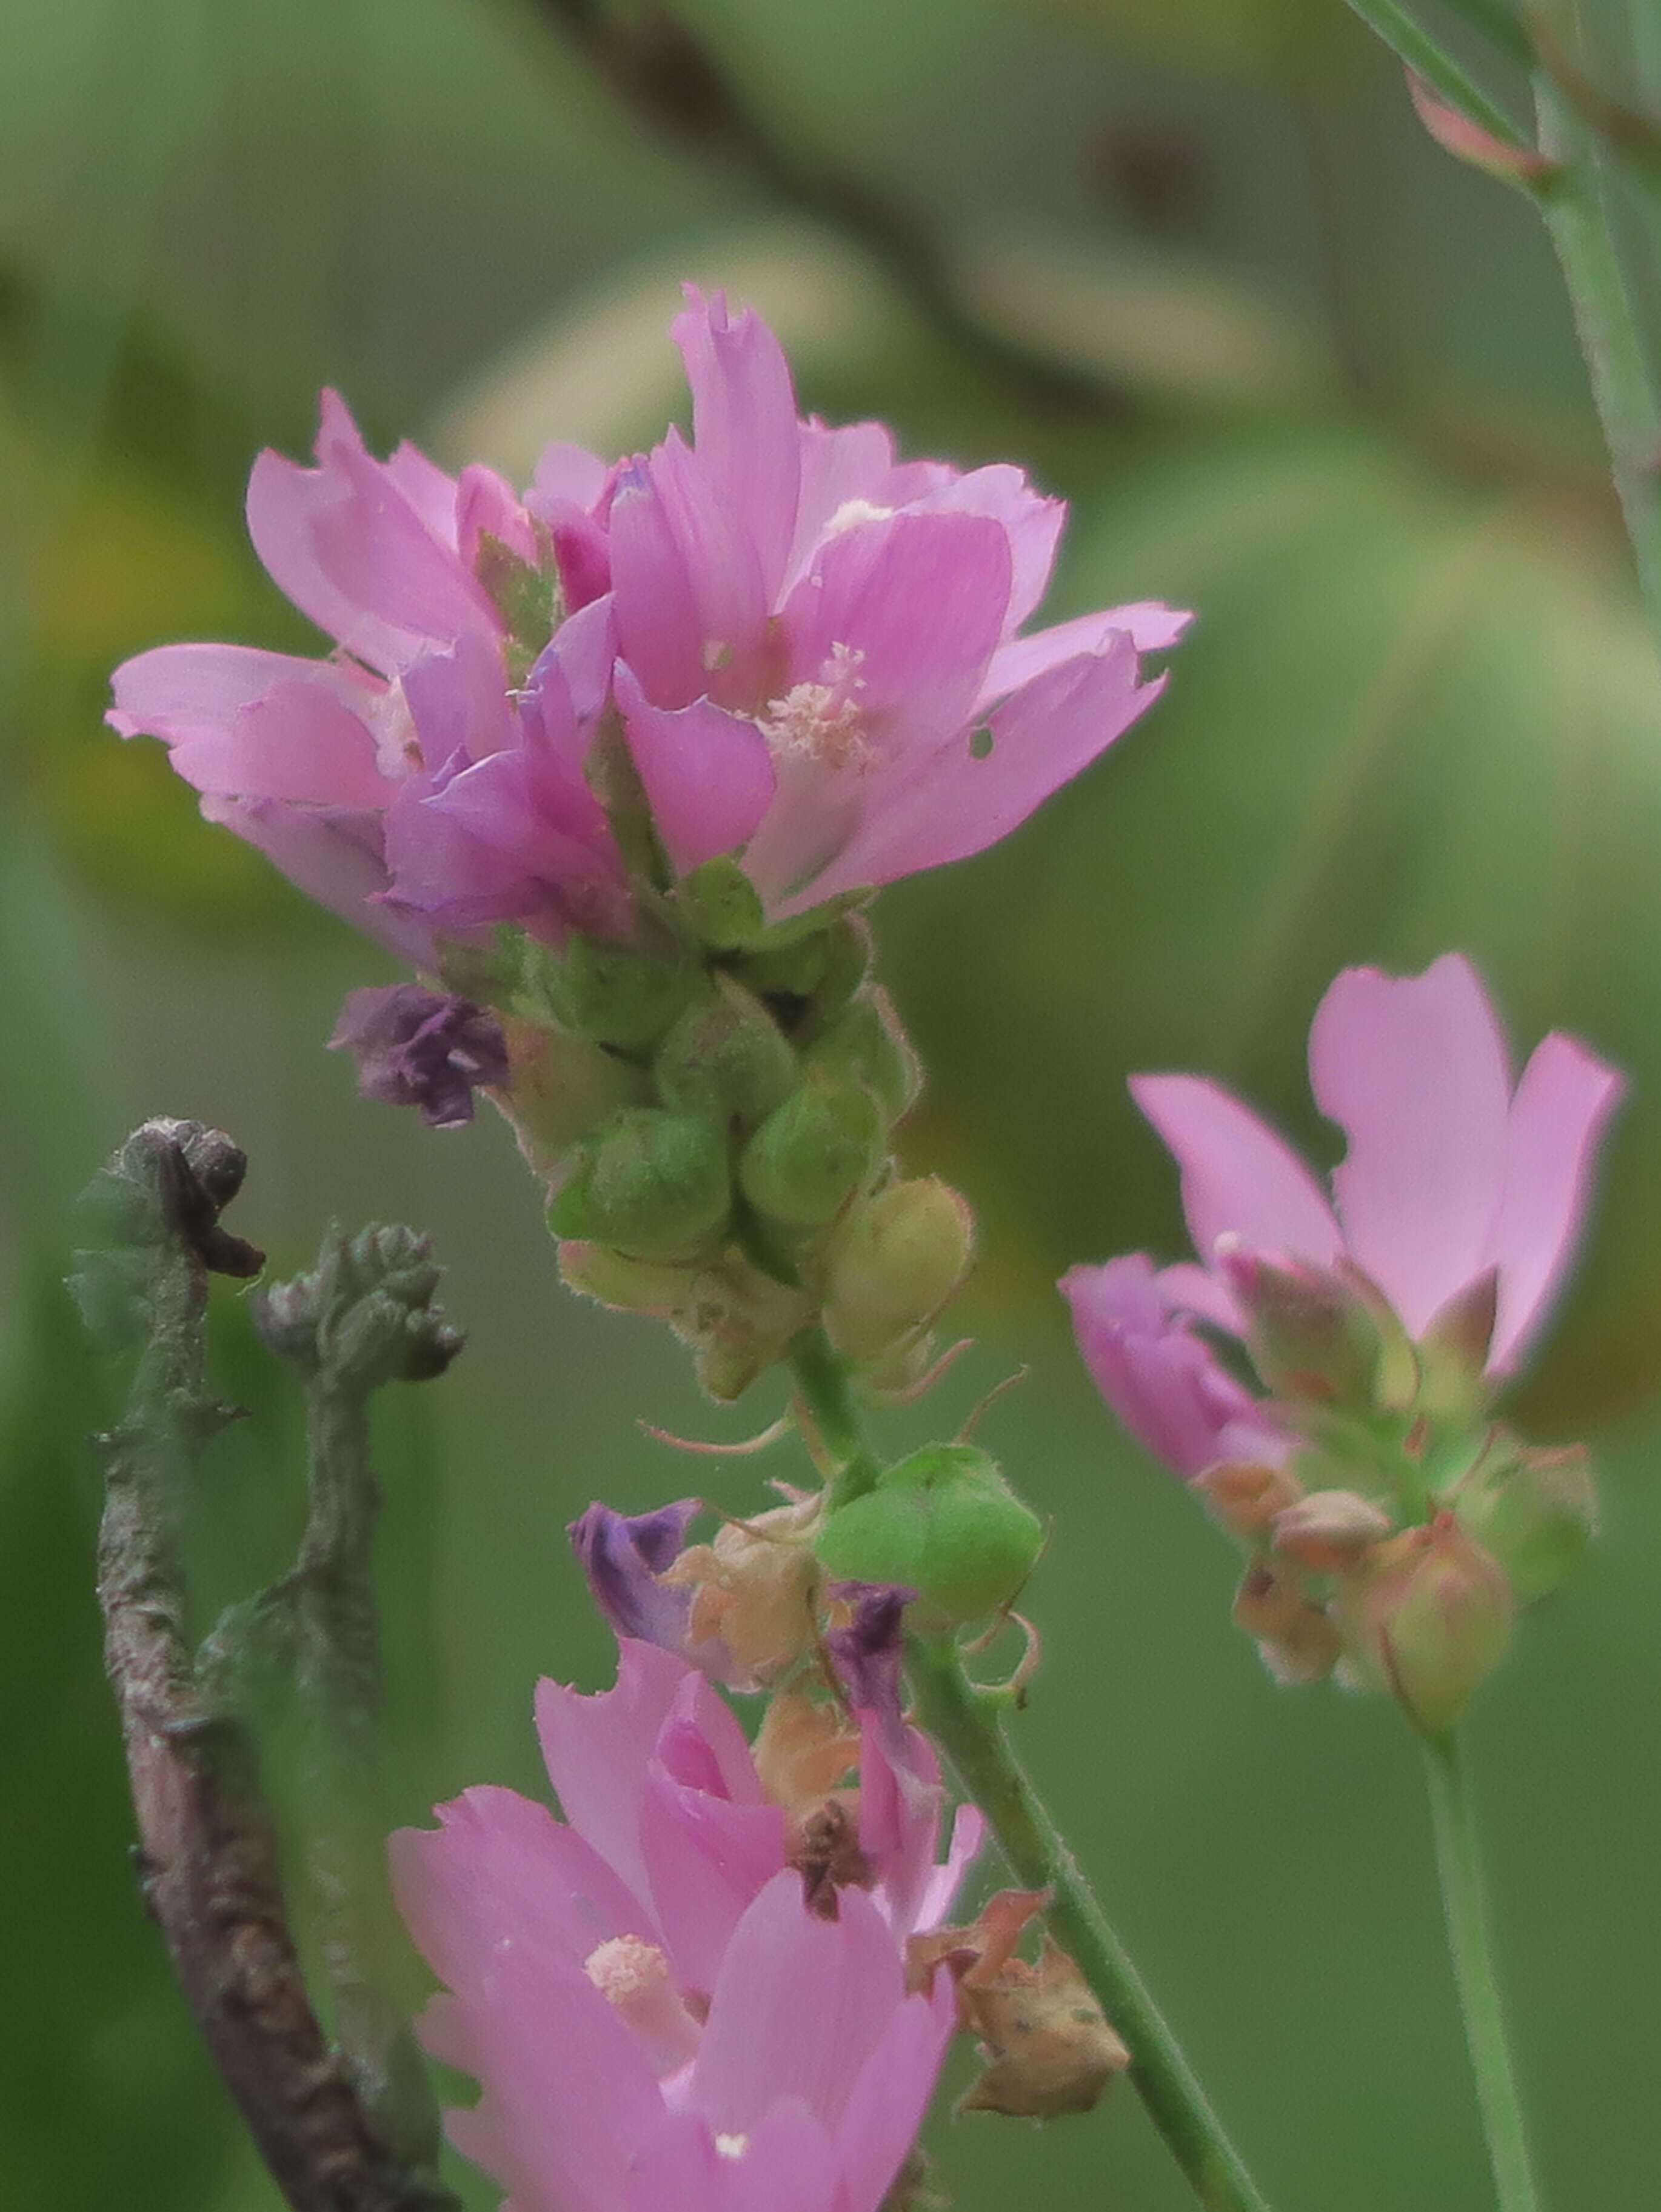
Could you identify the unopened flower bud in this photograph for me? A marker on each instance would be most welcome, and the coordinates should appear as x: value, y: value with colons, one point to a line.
x: 617, y: 994
x: 1244, y: 1496
x: 559, y: 1088
x: 1429, y: 1616
x: 1295, y: 1640
x: 943, y: 1522
x: 812, y: 1152
x: 1329, y: 1529
x: 1536, y: 1514
x: 824, y: 970
x: 722, y: 905
x: 866, y: 1044
x: 894, y: 1262
x: 652, y: 1183
x: 627, y: 1285
x: 724, y: 1059
x: 1312, y: 1335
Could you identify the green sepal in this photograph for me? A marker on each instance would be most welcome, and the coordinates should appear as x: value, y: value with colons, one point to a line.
x: 653, y: 1184
x: 724, y: 1059
x: 615, y: 993
x: 866, y: 1044
x: 943, y: 1522
x: 812, y: 1153
x: 721, y: 905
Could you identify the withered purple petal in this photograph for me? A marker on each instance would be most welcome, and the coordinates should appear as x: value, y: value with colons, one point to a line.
x: 622, y: 1556
x: 420, y: 1047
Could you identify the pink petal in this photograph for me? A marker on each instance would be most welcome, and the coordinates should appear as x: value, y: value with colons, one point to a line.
x: 798, y: 2008
x: 1558, y: 1115
x: 1032, y: 523
x: 940, y: 1891
x: 678, y: 2169
x: 500, y: 1870
x: 658, y: 630
x: 790, y: 2164
x: 179, y: 692
x: 459, y: 702
x: 708, y: 775
x: 484, y: 503
x: 957, y: 803
x: 731, y: 599
x: 1165, y: 1384
x: 887, y: 2104
x: 1151, y: 628
x: 1239, y: 1178
x: 565, y: 472
x: 743, y: 423
x: 837, y: 465
x: 334, y: 856
x: 597, y: 1749
x: 1415, y: 1070
x: 1186, y: 1289
x: 706, y: 1860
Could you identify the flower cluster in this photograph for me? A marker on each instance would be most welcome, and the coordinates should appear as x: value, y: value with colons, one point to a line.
x: 776, y: 642
x: 693, y: 1992
x: 1391, y: 1524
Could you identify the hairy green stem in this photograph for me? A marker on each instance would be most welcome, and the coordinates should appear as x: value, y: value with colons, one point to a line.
x: 1459, y: 1863
x: 1624, y: 383
x: 967, y: 1721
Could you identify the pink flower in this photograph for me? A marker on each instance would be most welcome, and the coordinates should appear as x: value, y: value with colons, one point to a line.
x: 813, y: 653
x: 657, y: 2019
x: 823, y: 664
x: 1453, y: 1172
x: 402, y: 781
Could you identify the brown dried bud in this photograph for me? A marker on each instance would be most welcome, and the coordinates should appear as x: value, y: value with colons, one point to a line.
x: 1329, y: 1529
x: 1246, y: 1497
x: 1295, y: 1640
x: 753, y: 1588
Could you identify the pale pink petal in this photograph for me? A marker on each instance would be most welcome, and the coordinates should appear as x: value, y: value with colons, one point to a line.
x: 730, y: 601
x: 486, y: 505
x: 429, y: 490
x: 1031, y: 522
x: 838, y: 466
x: 1239, y: 1178
x: 901, y: 1801
x: 940, y: 1891
x: 499, y: 1868
x: 890, y: 2097
x: 335, y: 855
x: 1415, y: 1070
x: 597, y: 1749
x: 457, y: 702
x: 743, y: 423
x: 1558, y: 1115
x: 708, y: 775
x: 706, y: 1860
x: 1188, y: 1289
x: 986, y: 781
x: 179, y: 692
x: 789, y: 2164
x: 1151, y: 628
x: 798, y: 2008
x: 677, y: 2169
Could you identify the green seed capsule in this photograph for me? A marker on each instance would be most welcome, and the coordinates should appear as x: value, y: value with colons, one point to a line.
x: 653, y: 1184
x: 866, y: 1044
x: 810, y: 1156
x: 943, y: 1522
x: 724, y: 1059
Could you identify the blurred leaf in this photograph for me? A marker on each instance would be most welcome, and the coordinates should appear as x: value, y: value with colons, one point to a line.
x: 1408, y: 719
x: 1254, y: 34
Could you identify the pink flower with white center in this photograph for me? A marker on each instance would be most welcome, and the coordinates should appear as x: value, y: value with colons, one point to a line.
x: 409, y: 753
x: 821, y: 660
x: 659, y: 2022
x: 1454, y: 1171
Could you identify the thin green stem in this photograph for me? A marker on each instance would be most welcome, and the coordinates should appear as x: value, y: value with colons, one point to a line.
x: 1623, y: 381
x: 967, y: 1721
x: 1412, y: 44
x: 1459, y: 1863
x: 821, y: 1380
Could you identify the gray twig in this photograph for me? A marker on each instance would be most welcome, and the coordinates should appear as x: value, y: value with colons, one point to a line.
x: 207, y: 1854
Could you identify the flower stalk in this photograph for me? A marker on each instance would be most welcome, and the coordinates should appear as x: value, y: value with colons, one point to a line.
x: 1459, y: 1862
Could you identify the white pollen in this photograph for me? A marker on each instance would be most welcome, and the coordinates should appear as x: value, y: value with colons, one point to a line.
x: 624, y: 1966
x: 733, y: 2146
x: 853, y: 511
x: 822, y: 722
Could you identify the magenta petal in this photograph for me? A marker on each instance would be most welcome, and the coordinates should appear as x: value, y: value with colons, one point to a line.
x: 940, y: 1891
x: 706, y: 1859
x: 1415, y: 1070
x: 485, y: 505
x: 1150, y: 625
x: 798, y: 2008
x: 708, y: 773
x: 886, y: 2106
x: 677, y: 2169
x: 1562, y: 1104
x: 658, y: 630
x: 1239, y: 1178
x: 597, y: 1749
x: 788, y: 2165
x: 1165, y: 1384
x: 743, y: 423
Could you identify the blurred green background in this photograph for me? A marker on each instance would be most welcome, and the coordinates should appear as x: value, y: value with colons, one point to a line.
x: 1293, y: 367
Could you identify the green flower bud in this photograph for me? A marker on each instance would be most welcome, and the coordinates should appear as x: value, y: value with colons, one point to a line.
x: 1427, y: 1616
x: 810, y: 1156
x: 721, y: 904
x: 724, y: 1060
x: 943, y: 1522
x: 627, y: 1285
x: 866, y: 1044
x: 615, y: 993
x: 560, y: 1088
x: 1536, y: 1514
x: 893, y: 1264
x: 653, y: 1184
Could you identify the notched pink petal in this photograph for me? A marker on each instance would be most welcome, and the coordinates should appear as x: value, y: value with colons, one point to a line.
x: 1239, y: 1177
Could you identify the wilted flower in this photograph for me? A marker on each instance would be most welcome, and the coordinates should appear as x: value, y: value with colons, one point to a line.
x: 658, y: 2018
x: 812, y: 653
x: 425, y: 1048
